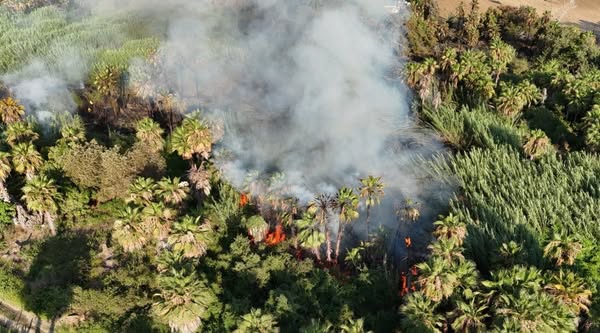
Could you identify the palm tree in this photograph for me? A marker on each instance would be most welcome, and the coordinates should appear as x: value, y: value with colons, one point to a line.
x: 469, y: 317
x: 537, y: 144
x: 321, y: 208
x: 192, y: 138
x: 5, y: 169
x: 371, y: 190
x: 257, y: 228
x: 346, y: 202
x: 354, y: 326
x: 501, y: 54
x: 182, y: 301
x: 450, y: 227
x: 141, y: 191
x: 310, y: 235
x: 571, y: 290
x: 149, y: 132
x: 562, y: 249
x: 436, y: 279
x: 420, y: 315
x: 74, y: 131
x: 199, y: 178
x: 511, y: 252
x: 26, y: 159
x: 510, y: 101
x: 173, y: 190
x: 156, y: 219
x: 128, y: 230
x: 316, y: 326
x: 20, y: 132
x: 39, y: 193
x: 10, y: 110
x: 190, y: 237
x: 257, y: 322
x: 529, y: 92
x: 448, y: 249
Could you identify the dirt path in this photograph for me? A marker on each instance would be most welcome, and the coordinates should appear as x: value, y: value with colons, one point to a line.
x: 22, y: 321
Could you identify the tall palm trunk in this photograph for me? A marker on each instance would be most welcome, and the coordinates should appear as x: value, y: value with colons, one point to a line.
x: 328, y: 241
x: 368, y: 221
x: 317, y: 253
x: 50, y: 220
x: 339, y: 235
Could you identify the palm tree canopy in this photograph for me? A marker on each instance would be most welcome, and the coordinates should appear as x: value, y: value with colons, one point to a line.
x: 182, y: 301
x: 149, y: 132
x: 371, y: 190
x: 173, y: 190
x: 5, y: 166
x: 26, y: 159
x: 20, y: 132
x: 40, y: 194
x: 10, y: 110
x: 347, y: 204
x: 190, y: 138
x: 257, y: 322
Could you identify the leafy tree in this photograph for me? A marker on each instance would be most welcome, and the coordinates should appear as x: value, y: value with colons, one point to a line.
x: 257, y: 322
x: 40, y: 195
x: 182, y: 301
x: 26, y: 159
x: 371, y: 190
x: 346, y: 202
x: 562, y: 249
x: 94, y: 166
x: 11, y: 111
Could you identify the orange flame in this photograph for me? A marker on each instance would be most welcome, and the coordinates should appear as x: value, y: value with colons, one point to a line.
x: 407, y: 242
x: 274, y: 238
x: 244, y: 200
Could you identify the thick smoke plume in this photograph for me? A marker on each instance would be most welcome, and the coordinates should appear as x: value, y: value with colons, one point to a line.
x: 307, y: 91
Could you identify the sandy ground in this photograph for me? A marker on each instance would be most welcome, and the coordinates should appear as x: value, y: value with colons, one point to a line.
x: 583, y: 12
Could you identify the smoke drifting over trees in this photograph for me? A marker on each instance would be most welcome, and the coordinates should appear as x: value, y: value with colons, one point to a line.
x: 308, y: 90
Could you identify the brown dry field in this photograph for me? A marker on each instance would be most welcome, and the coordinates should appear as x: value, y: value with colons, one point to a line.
x: 585, y: 13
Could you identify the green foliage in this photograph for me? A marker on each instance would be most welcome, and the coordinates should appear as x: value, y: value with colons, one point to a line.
x: 7, y: 212
x: 509, y: 201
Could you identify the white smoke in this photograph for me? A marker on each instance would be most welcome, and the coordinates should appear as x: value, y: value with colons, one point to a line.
x: 309, y: 90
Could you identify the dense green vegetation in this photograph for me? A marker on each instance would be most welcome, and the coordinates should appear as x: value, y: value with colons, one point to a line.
x: 115, y: 219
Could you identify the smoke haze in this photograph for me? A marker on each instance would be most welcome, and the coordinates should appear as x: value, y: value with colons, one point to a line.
x: 307, y: 91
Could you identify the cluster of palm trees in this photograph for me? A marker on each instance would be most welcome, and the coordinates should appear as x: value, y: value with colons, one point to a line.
x: 40, y: 192
x: 514, y: 298
x: 316, y: 223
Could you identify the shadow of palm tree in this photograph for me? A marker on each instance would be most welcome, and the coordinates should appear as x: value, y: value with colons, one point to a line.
x: 61, y: 263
